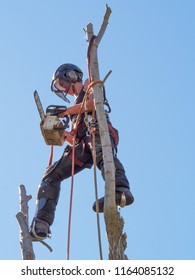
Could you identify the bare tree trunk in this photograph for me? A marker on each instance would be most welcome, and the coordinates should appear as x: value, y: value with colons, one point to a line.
x: 114, y: 224
x: 22, y: 217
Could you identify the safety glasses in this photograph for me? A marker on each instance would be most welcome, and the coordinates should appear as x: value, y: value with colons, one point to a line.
x: 61, y: 84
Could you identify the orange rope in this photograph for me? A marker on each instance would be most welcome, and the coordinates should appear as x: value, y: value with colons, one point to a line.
x: 51, y: 156
x: 92, y: 132
x: 71, y: 197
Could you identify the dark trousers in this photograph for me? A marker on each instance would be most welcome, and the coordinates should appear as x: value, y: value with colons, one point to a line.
x: 49, y: 189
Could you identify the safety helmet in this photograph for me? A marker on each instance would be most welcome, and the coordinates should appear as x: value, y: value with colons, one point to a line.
x: 65, y: 76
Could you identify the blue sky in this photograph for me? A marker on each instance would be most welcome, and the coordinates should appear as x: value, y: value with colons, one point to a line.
x: 149, y: 46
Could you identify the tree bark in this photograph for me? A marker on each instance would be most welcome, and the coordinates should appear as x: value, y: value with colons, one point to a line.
x: 22, y: 217
x: 114, y: 224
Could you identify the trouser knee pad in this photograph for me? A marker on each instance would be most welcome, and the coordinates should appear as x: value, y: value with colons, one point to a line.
x: 47, y: 199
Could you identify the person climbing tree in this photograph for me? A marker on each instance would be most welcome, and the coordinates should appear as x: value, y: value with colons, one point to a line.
x: 68, y: 80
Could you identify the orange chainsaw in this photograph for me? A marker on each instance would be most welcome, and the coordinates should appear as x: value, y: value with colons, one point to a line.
x: 52, y: 128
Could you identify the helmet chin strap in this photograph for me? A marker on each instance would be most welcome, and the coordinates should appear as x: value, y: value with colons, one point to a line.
x: 73, y: 87
x: 63, y: 96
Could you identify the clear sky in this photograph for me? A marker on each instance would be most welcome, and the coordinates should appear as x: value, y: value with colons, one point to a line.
x: 149, y: 46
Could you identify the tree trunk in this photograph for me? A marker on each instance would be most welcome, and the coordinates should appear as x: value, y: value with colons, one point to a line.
x: 114, y: 224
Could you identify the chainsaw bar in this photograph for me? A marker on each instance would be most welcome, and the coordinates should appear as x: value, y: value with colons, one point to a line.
x: 39, y: 105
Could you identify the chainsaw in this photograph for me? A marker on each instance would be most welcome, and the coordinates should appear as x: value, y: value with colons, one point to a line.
x: 52, y: 127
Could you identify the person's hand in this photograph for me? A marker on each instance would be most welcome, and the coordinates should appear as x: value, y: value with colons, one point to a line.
x: 55, y: 110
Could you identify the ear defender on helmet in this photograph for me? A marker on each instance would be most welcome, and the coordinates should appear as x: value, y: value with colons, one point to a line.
x: 72, y: 76
x: 63, y: 78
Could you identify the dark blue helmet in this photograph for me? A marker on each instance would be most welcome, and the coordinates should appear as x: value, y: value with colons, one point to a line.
x: 65, y: 76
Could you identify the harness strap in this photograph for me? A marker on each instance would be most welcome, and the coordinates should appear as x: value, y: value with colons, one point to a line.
x: 76, y: 160
x: 114, y: 133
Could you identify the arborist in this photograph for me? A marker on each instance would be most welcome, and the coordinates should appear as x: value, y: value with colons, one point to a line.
x: 68, y: 80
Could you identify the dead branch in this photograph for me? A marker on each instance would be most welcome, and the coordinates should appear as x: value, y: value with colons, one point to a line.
x: 22, y: 217
x: 104, y: 24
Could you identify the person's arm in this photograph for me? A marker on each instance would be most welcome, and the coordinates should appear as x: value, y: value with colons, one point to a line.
x: 76, y: 109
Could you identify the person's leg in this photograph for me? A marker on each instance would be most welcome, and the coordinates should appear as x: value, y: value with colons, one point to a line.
x: 49, y: 189
x: 121, y: 181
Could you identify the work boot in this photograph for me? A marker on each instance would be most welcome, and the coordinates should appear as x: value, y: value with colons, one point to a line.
x: 122, y: 194
x: 39, y: 230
